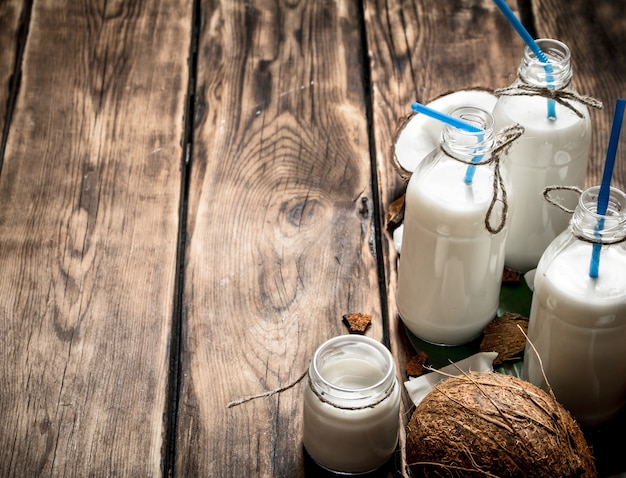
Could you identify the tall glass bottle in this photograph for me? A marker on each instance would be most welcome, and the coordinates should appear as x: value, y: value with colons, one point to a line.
x: 451, y: 266
x: 553, y: 151
x: 577, y: 321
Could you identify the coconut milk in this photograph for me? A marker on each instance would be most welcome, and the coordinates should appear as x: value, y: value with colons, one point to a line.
x: 450, y: 266
x: 551, y: 152
x: 351, y: 406
x: 578, y: 326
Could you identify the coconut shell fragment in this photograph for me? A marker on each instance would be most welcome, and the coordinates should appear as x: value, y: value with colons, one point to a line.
x: 490, y: 424
x: 357, y: 323
x: 415, y: 365
x: 395, y: 216
x: 505, y: 335
x: 511, y: 278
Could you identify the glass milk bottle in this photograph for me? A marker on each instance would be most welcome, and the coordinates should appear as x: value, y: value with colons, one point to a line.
x: 450, y: 267
x: 578, y: 323
x: 553, y: 151
x: 351, y: 405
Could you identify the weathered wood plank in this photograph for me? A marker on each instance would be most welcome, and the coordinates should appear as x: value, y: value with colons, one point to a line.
x: 88, y: 231
x: 10, y: 14
x: 280, y: 226
x: 420, y: 50
x: 595, y: 33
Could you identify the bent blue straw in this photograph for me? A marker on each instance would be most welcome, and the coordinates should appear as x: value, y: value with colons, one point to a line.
x: 454, y: 122
x: 605, y: 185
x: 532, y: 44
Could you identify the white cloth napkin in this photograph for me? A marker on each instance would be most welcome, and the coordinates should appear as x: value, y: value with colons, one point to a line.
x: 419, y: 387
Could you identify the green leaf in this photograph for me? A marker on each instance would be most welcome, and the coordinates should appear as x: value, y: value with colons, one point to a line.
x: 514, y: 299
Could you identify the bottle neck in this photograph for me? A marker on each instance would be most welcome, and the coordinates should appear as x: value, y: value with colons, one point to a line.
x: 469, y: 145
x: 608, y: 228
x: 556, y: 73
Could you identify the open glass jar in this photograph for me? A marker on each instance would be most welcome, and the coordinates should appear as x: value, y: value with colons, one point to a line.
x: 351, y: 405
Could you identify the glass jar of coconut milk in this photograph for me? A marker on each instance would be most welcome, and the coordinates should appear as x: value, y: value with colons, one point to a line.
x: 554, y: 150
x: 577, y: 321
x: 351, y: 405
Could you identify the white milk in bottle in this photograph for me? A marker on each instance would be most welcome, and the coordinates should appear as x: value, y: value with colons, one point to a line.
x: 552, y: 151
x: 577, y: 322
x: 351, y: 405
x: 450, y: 267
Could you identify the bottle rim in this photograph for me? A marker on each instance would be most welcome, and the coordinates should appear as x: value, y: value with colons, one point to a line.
x: 604, y: 229
x: 556, y: 73
x: 616, y: 206
x: 555, y: 50
x: 474, y: 115
x: 468, y: 145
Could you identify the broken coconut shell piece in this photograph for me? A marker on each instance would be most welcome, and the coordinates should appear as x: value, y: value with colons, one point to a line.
x: 511, y: 278
x: 395, y: 216
x: 503, y: 335
x: 358, y: 322
x: 417, y: 135
x: 415, y: 366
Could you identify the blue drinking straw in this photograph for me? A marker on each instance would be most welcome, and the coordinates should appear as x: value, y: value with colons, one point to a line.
x: 605, y: 185
x: 456, y: 123
x: 532, y: 44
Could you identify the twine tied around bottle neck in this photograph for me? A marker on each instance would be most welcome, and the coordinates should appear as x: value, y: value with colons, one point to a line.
x: 504, y: 140
x: 323, y: 399
x: 564, y: 96
x: 548, y: 198
x: 554, y: 202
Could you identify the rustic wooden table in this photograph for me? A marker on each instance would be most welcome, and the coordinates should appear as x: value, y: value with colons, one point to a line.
x: 193, y: 193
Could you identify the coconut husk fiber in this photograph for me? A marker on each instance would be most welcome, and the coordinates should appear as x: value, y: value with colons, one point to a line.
x: 489, y: 424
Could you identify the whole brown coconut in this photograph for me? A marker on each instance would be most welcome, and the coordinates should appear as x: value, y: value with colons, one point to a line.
x: 489, y: 424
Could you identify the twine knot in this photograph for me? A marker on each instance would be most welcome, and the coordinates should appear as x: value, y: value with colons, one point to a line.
x: 564, y: 96
x: 504, y: 140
